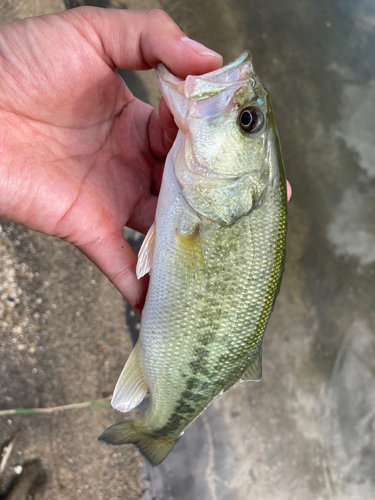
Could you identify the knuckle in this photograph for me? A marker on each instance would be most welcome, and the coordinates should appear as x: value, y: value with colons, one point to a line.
x: 84, y: 11
x: 126, y: 273
x: 159, y: 16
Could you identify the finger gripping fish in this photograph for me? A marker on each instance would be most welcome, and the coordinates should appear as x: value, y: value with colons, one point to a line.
x: 215, y: 254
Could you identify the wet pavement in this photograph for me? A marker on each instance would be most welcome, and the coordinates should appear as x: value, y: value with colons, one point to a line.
x: 307, y: 430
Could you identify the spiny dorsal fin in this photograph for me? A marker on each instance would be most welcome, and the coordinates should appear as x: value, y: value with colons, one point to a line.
x: 131, y: 387
x: 254, y: 371
x: 146, y: 253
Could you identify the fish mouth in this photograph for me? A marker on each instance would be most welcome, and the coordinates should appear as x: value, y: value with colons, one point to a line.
x: 235, y: 74
x: 198, y: 91
x: 218, y: 73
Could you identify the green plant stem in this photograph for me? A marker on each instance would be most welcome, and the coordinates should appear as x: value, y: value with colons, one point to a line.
x: 22, y: 411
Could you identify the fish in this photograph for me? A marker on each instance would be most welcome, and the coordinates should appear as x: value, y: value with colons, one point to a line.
x: 215, y: 255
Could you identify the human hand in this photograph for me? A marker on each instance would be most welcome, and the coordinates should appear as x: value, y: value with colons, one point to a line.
x: 80, y: 157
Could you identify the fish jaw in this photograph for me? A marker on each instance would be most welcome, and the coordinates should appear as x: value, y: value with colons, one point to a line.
x: 179, y: 94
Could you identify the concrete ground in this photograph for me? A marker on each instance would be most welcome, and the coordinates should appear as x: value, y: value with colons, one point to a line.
x: 306, y: 431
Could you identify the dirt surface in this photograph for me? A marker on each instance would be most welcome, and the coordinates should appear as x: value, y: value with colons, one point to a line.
x: 62, y: 340
x: 13, y: 10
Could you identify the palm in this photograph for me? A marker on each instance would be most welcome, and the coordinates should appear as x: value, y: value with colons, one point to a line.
x: 92, y: 173
x: 80, y: 154
x: 95, y: 155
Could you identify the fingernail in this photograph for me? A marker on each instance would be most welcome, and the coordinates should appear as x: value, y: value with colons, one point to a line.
x: 198, y: 48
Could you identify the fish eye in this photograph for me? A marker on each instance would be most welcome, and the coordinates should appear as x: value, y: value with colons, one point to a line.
x: 251, y: 119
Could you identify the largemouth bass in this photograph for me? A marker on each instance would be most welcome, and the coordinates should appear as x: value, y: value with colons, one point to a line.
x: 215, y: 254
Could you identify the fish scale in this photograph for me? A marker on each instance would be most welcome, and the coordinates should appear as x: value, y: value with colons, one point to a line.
x: 215, y: 255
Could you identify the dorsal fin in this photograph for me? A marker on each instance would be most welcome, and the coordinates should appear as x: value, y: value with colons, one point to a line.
x: 254, y: 371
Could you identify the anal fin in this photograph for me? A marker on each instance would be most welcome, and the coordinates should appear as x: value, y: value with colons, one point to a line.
x: 131, y: 387
x: 254, y: 371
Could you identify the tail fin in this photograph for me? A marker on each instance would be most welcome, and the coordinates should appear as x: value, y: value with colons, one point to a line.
x: 154, y: 449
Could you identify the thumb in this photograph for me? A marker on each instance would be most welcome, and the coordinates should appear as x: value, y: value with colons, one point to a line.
x: 140, y: 39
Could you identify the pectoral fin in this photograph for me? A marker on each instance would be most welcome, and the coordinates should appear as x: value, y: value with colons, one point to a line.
x: 189, y: 254
x: 146, y: 253
x: 254, y: 371
x: 131, y: 387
